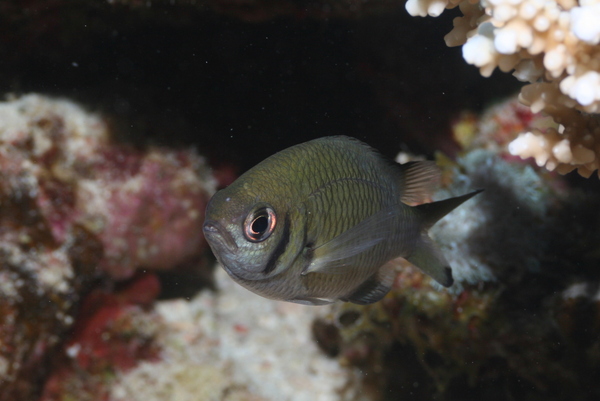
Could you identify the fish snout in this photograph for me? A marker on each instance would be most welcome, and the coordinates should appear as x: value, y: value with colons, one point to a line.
x: 210, y: 228
x: 214, y: 232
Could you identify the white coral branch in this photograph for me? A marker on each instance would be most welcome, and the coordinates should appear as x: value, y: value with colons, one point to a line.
x: 552, y: 41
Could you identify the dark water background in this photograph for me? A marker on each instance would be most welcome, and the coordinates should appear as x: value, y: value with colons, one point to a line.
x: 243, y: 90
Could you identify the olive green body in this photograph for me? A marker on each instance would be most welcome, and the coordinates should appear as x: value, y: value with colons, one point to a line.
x: 318, y: 190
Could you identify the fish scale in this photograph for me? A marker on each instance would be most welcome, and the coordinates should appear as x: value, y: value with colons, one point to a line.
x: 319, y: 221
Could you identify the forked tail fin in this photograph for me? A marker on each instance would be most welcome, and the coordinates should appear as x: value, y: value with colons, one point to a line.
x: 426, y: 255
x: 429, y: 258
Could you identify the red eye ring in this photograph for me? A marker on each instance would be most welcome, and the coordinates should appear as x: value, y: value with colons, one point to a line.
x: 260, y: 224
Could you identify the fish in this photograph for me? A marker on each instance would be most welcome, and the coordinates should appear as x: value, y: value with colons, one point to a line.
x: 322, y: 222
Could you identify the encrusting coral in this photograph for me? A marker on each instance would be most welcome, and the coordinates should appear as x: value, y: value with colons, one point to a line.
x: 76, y: 206
x: 554, y: 45
x: 234, y: 345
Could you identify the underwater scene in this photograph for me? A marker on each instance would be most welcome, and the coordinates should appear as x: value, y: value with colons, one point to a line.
x: 286, y: 200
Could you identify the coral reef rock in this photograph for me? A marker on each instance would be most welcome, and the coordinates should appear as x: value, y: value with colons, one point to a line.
x: 229, y: 345
x: 74, y: 206
x: 113, y: 332
x: 235, y: 345
x: 554, y: 45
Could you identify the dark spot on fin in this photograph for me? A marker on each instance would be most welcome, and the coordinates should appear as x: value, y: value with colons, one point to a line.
x: 449, y: 278
x: 280, y: 248
x: 375, y: 287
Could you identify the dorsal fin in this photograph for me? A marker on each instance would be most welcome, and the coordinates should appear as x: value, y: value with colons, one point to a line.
x: 418, y: 181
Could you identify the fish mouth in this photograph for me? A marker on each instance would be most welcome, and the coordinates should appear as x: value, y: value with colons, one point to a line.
x: 214, y: 232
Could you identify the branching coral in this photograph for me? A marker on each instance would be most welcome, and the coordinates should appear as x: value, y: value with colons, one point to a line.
x: 574, y: 144
x: 554, y: 45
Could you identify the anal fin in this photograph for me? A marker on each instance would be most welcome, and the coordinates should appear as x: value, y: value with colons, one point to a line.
x: 375, y: 287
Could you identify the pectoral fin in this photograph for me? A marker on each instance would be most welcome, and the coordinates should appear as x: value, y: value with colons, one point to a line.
x: 337, y: 254
x: 428, y: 257
x: 375, y: 288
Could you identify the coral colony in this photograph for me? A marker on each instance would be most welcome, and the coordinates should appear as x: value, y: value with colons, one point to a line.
x: 74, y: 206
x: 554, y: 45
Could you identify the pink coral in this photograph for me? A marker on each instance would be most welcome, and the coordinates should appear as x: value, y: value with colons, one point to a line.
x: 109, y: 336
x: 146, y: 208
x: 76, y: 204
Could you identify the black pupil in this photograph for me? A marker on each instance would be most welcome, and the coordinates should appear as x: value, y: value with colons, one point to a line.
x: 260, y: 225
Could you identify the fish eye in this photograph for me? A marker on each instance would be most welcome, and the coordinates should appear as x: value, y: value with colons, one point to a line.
x: 259, y: 224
